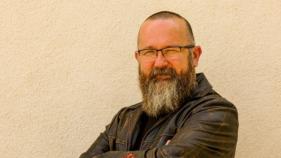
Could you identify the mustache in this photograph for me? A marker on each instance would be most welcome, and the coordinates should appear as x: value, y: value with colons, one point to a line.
x: 162, y: 71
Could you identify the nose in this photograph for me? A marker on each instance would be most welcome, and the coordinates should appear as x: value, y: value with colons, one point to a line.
x: 160, y: 60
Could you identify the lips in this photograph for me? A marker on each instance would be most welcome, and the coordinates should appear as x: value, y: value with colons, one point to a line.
x: 163, y: 77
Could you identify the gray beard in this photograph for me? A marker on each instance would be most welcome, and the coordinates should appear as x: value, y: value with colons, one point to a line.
x: 164, y: 96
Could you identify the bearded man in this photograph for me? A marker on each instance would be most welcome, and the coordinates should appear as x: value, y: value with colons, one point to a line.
x: 180, y: 115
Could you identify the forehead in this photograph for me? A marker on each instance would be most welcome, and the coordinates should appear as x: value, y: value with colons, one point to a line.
x: 172, y: 31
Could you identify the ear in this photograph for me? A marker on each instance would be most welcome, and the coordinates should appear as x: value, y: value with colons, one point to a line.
x: 197, y: 51
x: 137, y: 57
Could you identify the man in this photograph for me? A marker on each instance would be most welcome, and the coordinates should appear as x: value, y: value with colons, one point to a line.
x: 180, y: 115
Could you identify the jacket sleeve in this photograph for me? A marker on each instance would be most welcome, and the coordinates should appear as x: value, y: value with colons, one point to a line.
x: 102, y: 144
x: 211, y: 132
x: 98, y: 147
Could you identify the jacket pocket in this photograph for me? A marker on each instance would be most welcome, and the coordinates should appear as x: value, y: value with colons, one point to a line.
x: 121, y: 144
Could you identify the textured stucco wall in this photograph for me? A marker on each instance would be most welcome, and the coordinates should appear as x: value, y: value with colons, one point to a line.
x: 67, y: 67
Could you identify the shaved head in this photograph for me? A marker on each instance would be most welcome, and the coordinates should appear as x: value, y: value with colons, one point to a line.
x: 171, y: 15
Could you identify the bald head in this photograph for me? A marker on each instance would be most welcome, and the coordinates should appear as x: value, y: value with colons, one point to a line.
x: 166, y: 15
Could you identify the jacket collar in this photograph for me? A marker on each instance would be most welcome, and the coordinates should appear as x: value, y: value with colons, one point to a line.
x: 203, y: 87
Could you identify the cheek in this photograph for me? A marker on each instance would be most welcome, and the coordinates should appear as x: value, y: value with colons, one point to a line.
x: 180, y: 65
x: 146, y: 68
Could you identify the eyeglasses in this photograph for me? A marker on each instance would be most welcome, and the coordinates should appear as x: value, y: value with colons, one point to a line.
x: 171, y: 52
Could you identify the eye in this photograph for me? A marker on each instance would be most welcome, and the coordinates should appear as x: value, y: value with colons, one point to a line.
x: 171, y: 50
x: 148, y: 52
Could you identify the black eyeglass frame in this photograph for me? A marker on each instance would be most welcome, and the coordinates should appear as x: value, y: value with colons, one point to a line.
x: 157, y: 50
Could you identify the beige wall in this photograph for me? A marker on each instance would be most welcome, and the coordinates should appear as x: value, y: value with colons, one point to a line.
x: 67, y: 67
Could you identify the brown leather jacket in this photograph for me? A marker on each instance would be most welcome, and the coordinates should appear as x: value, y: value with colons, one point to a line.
x: 206, y: 126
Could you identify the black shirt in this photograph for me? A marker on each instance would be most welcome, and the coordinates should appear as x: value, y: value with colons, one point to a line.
x: 145, y: 123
